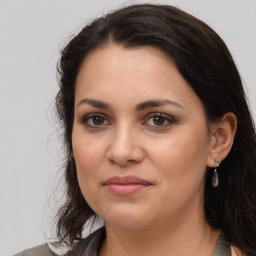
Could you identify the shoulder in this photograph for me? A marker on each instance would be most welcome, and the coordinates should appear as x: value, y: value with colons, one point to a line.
x: 235, y: 251
x: 86, y: 247
x: 41, y: 250
x: 90, y: 245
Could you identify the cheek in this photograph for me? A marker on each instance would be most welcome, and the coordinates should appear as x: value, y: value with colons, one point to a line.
x: 183, y: 157
x: 181, y: 168
x: 88, y: 155
x: 88, y: 149
x: 85, y: 155
x: 87, y: 166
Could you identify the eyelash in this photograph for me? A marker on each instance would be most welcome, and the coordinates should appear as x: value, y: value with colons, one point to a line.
x: 167, y: 120
x: 90, y: 117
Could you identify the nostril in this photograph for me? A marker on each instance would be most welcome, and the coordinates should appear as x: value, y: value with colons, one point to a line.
x: 124, y: 156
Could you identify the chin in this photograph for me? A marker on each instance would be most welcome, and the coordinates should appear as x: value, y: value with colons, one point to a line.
x: 129, y: 225
x: 128, y: 219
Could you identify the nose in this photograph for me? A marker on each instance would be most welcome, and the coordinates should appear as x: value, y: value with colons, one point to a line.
x: 124, y: 148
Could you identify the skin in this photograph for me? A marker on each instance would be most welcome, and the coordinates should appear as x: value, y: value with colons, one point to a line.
x: 170, y: 151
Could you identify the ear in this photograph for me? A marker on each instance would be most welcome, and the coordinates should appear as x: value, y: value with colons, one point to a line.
x: 222, y: 137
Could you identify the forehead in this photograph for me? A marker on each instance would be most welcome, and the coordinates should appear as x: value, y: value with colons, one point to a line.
x: 113, y: 57
x: 114, y: 73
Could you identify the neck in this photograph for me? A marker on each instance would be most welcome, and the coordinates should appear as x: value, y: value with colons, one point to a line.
x: 182, y: 237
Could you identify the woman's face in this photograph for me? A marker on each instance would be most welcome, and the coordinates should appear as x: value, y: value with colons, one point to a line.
x: 140, y: 138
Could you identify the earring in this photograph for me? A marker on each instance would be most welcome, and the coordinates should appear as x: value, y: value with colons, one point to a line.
x: 215, y: 177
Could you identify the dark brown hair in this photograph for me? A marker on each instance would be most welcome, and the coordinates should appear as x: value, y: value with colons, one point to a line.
x: 203, y: 59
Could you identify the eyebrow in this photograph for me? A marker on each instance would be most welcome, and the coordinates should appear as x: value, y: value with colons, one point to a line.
x: 157, y: 103
x: 94, y: 103
x: 139, y: 107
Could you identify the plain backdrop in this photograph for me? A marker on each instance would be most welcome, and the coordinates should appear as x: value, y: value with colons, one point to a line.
x: 31, y: 35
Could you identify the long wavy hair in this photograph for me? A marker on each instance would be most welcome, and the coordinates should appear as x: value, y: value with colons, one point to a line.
x: 205, y: 62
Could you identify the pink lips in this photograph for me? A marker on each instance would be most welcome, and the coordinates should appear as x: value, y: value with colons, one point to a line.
x: 125, y: 186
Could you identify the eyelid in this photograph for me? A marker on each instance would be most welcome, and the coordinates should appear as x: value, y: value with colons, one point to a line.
x: 84, y: 119
x: 168, y: 118
x: 146, y: 119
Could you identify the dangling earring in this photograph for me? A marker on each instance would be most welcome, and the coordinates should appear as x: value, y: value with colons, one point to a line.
x: 215, y: 177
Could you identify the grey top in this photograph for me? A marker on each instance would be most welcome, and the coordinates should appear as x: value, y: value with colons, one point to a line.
x: 222, y: 247
x: 90, y: 246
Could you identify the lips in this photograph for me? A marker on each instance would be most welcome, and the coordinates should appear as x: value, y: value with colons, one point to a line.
x: 126, y: 186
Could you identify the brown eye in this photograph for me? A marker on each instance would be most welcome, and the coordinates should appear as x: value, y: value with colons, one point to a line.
x: 95, y: 121
x: 158, y: 120
x: 98, y: 120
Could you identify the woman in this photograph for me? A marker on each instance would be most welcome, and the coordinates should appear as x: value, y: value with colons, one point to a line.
x: 160, y: 141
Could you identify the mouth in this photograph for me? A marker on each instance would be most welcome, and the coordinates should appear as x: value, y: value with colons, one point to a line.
x: 126, y: 186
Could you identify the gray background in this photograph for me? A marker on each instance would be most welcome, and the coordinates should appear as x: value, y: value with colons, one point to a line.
x: 32, y: 33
